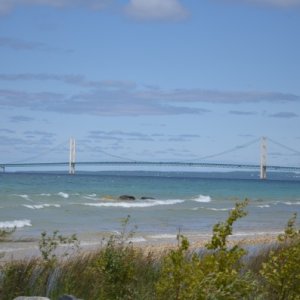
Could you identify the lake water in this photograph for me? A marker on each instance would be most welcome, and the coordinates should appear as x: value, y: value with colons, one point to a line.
x: 87, y: 204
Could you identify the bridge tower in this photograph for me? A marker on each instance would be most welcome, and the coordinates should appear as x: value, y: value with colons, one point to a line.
x: 263, y: 158
x: 72, y: 156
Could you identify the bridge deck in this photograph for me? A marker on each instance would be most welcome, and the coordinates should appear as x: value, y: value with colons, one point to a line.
x: 150, y: 163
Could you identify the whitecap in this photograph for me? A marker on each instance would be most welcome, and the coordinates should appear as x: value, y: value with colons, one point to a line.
x: 163, y: 236
x: 202, y: 198
x: 26, y: 197
x: 92, y: 195
x: 40, y: 206
x: 218, y: 209
x: 263, y: 206
x: 45, y: 194
x: 89, y: 198
x: 64, y: 195
x: 263, y: 233
x: 292, y: 203
x: 212, y: 208
x: 137, y: 240
x: 15, y: 223
x: 135, y: 204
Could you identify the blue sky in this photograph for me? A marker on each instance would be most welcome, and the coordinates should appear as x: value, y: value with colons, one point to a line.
x: 149, y: 79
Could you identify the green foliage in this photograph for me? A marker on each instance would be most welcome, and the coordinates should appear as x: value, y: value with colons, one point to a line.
x: 217, y: 275
x: 180, y: 275
x: 281, y: 273
x: 115, y: 267
x: 48, y: 245
x: 221, y: 231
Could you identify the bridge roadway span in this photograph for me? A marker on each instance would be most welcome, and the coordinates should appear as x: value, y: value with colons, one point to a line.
x: 149, y: 163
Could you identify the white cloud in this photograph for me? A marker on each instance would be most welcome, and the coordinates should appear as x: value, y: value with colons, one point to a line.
x: 8, y: 5
x: 156, y: 10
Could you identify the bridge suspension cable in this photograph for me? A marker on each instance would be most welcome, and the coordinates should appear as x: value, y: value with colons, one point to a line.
x: 38, y: 155
x: 115, y: 156
x: 284, y: 146
x: 228, y: 150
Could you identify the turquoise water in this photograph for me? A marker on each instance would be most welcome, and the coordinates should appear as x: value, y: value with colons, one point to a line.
x: 88, y: 204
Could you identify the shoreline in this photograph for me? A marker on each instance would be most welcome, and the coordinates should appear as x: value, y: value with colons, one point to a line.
x: 28, y: 249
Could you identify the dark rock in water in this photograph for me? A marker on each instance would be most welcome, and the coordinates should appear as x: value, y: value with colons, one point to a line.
x: 68, y: 297
x: 147, y: 198
x: 126, y: 197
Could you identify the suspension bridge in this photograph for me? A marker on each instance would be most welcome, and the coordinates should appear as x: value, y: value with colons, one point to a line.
x: 72, y: 163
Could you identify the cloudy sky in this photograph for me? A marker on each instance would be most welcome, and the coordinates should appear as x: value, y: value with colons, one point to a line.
x: 150, y: 79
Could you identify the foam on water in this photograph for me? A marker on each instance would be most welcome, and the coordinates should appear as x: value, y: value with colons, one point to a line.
x: 45, y: 194
x: 15, y: 223
x: 202, y: 199
x: 137, y: 240
x: 40, y: 206
x: 92, y: 195
x: 90, y: 198
x: 218, y: 209
x: 64, y: 195
x: 262, y: 233
x: 135, y: 204
x: 212, y: 208
x: 263, y: 206
x: 163, y: 236
x: 292, y: 203
x: 26, y: 197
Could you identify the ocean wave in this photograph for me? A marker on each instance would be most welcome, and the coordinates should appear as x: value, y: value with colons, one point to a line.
x: 135, y: 204
x: 292, y: 203
x: 92, y: 195
x: 26, y: 197
x: 90, y: 198
x: 255, y: 233
x: 45, y: 194
x: 64, y: 195
x: 40, y: 206
x: 163, y: 236
x: 212, y: 208
x: 218, y: 209
x: 137, y: 240
x: 15, y: 223
x: 202, y: 199
x: 263, y: 206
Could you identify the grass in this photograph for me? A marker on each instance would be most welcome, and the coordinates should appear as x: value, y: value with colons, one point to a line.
x: 118, y: 270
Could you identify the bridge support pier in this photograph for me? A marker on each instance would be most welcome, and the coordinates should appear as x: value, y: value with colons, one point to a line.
x: 263, y: 158
x: 72, y: 156
x: 3, y: 168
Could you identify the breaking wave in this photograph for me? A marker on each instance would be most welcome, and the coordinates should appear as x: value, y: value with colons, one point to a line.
x: 26, y: 197
x: 263, y: 206
x: 292, y: 203
x: 64, y: 195
x: 212, y: 208
x: 163, y: 236
x: 15, y: 223
x: 202, y: 198
x: 40, y: 206
x: 135, y: 204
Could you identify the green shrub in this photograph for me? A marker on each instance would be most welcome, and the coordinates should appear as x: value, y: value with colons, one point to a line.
x: 216, y: 275
x: 281, y: 273
x: 49, y: 244
x: 119, y: 270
